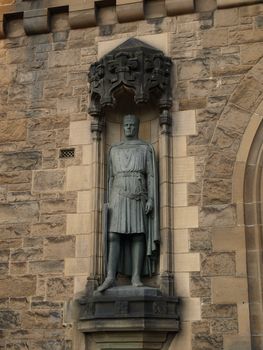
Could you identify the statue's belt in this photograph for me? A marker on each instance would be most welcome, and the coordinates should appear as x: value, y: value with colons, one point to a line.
x: 130, y: 174
x: 138, y: 196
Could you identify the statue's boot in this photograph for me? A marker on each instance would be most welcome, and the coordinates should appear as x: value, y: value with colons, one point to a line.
x: 108, y: 283
x: 136, y: 281
x: 113, y: 258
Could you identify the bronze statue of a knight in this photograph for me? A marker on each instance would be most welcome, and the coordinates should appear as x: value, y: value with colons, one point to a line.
x: 133, y: 218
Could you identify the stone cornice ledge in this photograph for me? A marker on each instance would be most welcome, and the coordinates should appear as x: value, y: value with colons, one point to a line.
x: 235, y: 3
x: 83, y: 13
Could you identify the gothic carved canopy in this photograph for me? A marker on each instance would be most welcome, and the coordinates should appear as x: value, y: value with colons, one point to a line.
x: 135, y: 66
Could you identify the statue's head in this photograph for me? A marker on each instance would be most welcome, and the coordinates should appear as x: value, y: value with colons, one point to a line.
x: 131, y: 126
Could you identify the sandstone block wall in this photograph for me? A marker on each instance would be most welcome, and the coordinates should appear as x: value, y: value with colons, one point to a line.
x: 46, y: 247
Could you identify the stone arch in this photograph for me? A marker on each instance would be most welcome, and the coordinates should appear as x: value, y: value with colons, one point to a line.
x: 235, y: 160
x: 248, y: 175
x: 230, y: 128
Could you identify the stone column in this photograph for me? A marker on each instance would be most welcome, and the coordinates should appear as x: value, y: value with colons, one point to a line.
x: 96, y: 264
x: 166, y: 277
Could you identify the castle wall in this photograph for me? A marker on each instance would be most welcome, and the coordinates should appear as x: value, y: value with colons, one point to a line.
x: 47, y: 202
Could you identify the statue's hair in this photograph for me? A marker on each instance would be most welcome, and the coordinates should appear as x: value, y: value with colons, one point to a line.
x: 132, y: 116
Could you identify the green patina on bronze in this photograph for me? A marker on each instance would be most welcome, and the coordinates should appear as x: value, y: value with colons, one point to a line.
x: 133, y: 218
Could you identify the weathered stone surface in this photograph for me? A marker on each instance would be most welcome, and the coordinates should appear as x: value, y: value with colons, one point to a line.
x: 46, y: 266
x: 208, y: 342
x: 217, y: 191
x: 58, y: 206
x: 51, y: 344
x: 22, y: 187
x: 14, y: 231
x: 210, y: 38
x: 19, y: 303
x: 218, y: 264
x: 229, y: 290
x: 199, y: 286
x: 19, y: 161
x: 39, y: 303
x: 54, y: 227
x: 49, y: 181
x: 18, y: 286
x: 250, y: 54
x: 18, y: 268
x: 184, y: 42
x: 206, y: 120
x: 4, y: 302
x: 26, y: 254
x: 17, y: 345
x: 42, y: 139
x: 4, y: 268
x: 226, y: 18
x: 64, y: 58
x: 200, y: 239
x: 9, y: 319
x: 226, y: 140
x: 219, y: 165
x: 54, y: 88
x: 234, y: 118
x: 33, y: 242
x: 41, y: 319
x: 201, y: 88
x: 19, y: 213
x: 218, y: 215
x: 3, y: 194
x: 200, y: 327
x: 14, y: 130
x: 193, y: 103
x: 59, y: 247
x: 224, y: 326
x: 26, y: 333
x: 21, y: 196
x: 249, y: 94
x: 19, y: 55
x: 219, y: 311
x: 194, y: 193
x: 17, y: 177
x: 49, y: 123
x: 4, y: 255
x: 195, y: 69
x: 60, y: 288
x: 245, y: 36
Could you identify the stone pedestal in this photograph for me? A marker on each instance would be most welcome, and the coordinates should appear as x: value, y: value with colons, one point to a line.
x: 128, y: 317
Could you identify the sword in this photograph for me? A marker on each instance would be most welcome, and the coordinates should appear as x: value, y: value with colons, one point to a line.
x: 105, y: 236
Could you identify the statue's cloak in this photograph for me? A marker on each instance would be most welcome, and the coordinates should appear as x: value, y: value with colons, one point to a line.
x: 151, y: 232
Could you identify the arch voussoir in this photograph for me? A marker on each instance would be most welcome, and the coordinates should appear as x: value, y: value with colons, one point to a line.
x: 231, y: 125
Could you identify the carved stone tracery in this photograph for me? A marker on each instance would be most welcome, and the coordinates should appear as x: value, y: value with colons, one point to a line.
x: 135, y: 66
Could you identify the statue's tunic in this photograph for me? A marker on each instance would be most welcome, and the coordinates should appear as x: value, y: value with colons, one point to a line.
x: 132, y: 181
x: 131, y: 185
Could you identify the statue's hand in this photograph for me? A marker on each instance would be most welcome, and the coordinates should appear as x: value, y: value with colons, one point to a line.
x: 148, y: 206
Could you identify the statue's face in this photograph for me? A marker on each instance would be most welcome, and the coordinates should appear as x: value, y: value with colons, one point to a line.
x: 130, y: 127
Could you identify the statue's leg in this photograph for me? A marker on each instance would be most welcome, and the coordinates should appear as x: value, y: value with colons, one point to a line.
x: 113, y: 259
x: 138, y: 254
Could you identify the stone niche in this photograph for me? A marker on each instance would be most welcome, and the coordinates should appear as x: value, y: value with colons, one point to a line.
x: 133, y: 78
